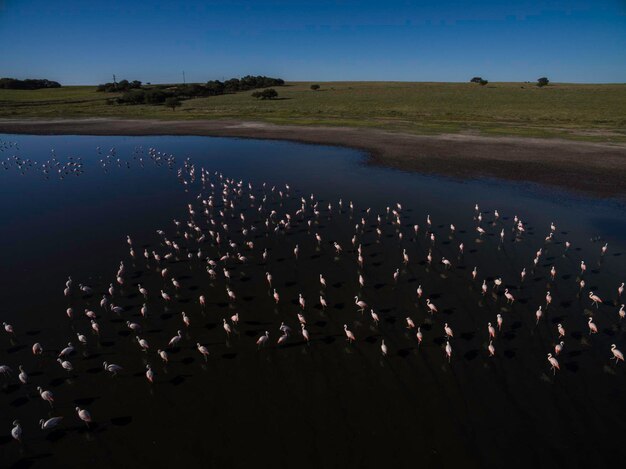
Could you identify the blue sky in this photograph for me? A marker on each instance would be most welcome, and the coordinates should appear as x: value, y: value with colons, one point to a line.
x: 85, y: 42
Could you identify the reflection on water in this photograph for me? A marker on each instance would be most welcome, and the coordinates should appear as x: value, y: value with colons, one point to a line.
x: 325, y: 402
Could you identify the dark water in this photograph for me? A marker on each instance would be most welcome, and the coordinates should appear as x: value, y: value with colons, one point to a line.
x: 324, y: 404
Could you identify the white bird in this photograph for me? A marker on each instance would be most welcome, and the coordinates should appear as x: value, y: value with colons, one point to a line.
x: 383, y: 348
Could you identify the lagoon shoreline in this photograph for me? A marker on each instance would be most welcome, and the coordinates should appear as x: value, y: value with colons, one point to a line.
x: 597, y: 169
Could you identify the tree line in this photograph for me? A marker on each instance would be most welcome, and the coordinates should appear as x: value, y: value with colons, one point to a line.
x: 28, y: 84
x: 135, y: 93
x: 543, y: 81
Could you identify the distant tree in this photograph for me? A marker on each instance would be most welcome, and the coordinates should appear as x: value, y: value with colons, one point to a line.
x: 476, y: 80
x: 315, y: 87
x: 172, y: 102
x: 543, y: 81
x: 269, y: 93
x: 483, y: 82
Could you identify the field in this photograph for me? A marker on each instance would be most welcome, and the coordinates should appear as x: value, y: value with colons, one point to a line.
x: 582, y: 112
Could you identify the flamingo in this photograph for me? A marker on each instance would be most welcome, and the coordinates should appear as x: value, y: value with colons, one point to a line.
x: 554, y: 363
x: 431, y: 306
x: 149, y: 374
x: 448, y: 350
x: 617, y: 355
x: 112, y: 368
x: 361, y: 304
x: 409, y: 323
x: 448, y: 331
x: 596, y: 300
x: 66, y: 351
x: 143, y: 343
x: 491, y: 348
x: 509, y: 296
x: 374, y: 316
x: 593, y: 329
x: 383, y: 348
x: 261, y: 341
x: 163, y: 354
x: 46, y: 395
x: 323, y: 302
x: 560, y: 330
x: 16, y: 431
x: 50, y: 423
x: 227, y: 328
x: 84, y: 415
x: 491, y: 330
x: 558, y: 348
x: 419, y: 336
x: 176, y: 339
x: 350, y: 336
x: 305, y: 333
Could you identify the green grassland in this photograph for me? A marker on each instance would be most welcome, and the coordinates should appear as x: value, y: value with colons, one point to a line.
x: 586, y: 112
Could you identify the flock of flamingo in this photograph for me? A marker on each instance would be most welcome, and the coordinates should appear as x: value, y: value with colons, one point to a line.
x: 222, y: 233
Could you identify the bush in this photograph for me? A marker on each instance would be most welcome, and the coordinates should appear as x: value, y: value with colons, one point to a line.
x: 154, y: 96
x: 543, y: 81
x: 476, y: 80
x: 133, y: 97
x: 315, y: 87
x: 172, y: 102
x: 483, y: 82
x: 269, y: 93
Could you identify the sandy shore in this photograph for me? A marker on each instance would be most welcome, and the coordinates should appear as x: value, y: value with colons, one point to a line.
x: 593, y: 168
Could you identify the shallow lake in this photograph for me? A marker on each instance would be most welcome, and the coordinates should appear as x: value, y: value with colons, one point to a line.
x: 68, y: 203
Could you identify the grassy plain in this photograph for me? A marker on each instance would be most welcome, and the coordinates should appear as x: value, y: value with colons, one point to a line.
x: 574, y: 111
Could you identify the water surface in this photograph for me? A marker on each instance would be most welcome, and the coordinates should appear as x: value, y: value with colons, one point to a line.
x: 323, y: 404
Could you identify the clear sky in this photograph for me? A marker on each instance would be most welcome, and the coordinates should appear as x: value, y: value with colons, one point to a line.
x: 85, y: 42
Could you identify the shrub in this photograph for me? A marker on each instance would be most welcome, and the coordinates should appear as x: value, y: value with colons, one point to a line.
x: 172, y: 102
x: 315, y: 87
x: 269, y: 93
